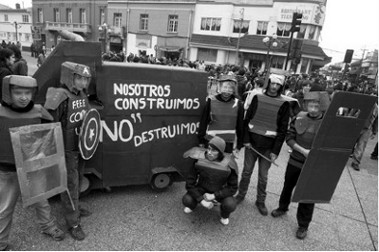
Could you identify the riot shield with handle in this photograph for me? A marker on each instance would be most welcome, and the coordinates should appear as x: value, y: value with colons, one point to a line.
x: 40, y: 161
x: 332, y: 147
x: 89, y: 136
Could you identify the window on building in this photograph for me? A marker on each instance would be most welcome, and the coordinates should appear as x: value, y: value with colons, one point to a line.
x: 283, y: 29
x: 69, y: 15
x: 25, y: 18
x: 301, y: 33
x: 244, y: 26
x: 311, y: 32
x: 144, y: 22
x: 102, y: 16
x: 117, y: 19
x: 6, y: 19
x: 207, y: 54
x: 40, y: 16
x: 83, y: 16
x: 277, y: 62
x: 210, y: 24
x: 262, y: 28
x: 57, y: 16
x: 172, y: 23
x: 27, y: 37
x: 304, y: 65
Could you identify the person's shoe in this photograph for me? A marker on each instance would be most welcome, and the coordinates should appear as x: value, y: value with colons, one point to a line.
x: 301, y: 233
x: 84, y: 212
x: 77, y: 233
x: 262, y: 208
x: 239, y: 199
x: 277, y: 213
x: 355, y: 166
x: 374, y: 157
x: 224, y: 221
x: 187, y: 210
x: 54, y: 232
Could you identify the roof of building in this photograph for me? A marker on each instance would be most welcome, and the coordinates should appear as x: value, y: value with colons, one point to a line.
x: 4, y: 7
x: 254, y: 42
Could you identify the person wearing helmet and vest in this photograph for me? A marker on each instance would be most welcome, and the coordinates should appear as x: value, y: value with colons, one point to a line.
x: 223, y: 115
x: 68, y: 105
x: 301, y: 134
x: 266, y: 123
x: 17, y: 109
x: 213, y: 178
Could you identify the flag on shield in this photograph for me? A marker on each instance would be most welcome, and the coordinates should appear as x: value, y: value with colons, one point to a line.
x: 40, y: 161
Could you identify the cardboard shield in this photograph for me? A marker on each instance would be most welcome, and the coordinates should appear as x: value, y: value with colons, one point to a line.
x: 331, y: 148
x: 89, y: 134
x: 40, y: 161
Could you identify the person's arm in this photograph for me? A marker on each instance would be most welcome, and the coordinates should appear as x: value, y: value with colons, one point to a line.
x: 282, y: 126
x: 191, y: 184
x: 249, y: 115
x: 240, y: 125
x: 231, y: 187
x: 204, y: 121
x: 291, y: 140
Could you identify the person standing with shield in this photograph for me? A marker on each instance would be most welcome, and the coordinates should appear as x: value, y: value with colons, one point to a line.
x: 68, y: 104
x: 17, y: 109
x: 266, y: 123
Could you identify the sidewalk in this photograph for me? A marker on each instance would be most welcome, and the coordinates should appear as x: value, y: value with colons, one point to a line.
x: 136, y: 218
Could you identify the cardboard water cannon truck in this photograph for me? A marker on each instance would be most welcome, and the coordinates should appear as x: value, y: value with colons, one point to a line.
x: 149, y: 116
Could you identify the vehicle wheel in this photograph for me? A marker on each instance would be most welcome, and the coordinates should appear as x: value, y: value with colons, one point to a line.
x: 161, y: 181
x: 85, y: 186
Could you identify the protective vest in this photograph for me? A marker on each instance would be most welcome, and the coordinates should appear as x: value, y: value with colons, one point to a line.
x: 77, y: 107
x: 306, y: 130
x: 213, y: 174
x: 264, y: 121
x: 223, y: 119
x: 10, y: 119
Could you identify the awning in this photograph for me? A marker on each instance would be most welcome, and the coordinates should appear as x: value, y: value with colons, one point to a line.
x: 171, y: 48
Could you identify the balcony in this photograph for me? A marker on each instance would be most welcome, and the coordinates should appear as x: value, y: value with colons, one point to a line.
x: 72, y: 27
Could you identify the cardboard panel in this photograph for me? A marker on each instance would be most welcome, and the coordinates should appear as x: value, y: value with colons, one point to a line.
x: 40, y: 161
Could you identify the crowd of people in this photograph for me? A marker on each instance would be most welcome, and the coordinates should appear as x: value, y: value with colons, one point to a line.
x: 244, y: 109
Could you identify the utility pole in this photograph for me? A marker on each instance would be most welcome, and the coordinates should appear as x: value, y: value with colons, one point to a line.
x: 239, y: 36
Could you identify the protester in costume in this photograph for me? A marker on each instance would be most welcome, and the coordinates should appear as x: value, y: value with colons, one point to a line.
x: 223, y: 115
x: 17, y: 109
x: 300, y: 136
x: 68, y: 105
x: 213, y: 178
x: 266, y: 123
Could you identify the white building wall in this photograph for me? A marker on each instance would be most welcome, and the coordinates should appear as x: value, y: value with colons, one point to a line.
x: 8, y: 30
x: 132, y: 47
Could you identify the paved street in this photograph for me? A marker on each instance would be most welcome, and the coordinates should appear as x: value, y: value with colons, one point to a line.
x: 137, y: 218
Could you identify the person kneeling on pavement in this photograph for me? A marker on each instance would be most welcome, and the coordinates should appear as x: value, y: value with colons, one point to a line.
x: 300, y: 136
x: 17, y: 109
x: 213, y: 178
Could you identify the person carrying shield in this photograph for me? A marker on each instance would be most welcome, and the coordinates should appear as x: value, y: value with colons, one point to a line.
x: 300, y: 136
x: 68, y: 104
x: 17, y: 109
x: 223, y: 115
x: 266, y: 123
x: 212, y: 179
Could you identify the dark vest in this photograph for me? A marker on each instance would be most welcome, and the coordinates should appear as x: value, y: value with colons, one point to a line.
x: 224, y: 119
x: 77, y: 107
x: 306, y: 130
x: 213, y: 175
x: 10, y: 119
x: 264, y: 121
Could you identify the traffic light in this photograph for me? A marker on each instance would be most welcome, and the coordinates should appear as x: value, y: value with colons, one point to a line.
x: 348, y: 56
x: 296, y: 22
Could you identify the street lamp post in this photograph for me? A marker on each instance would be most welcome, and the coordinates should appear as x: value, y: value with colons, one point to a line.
x: 103, y: 30
x: 271, y: 43
x: 16, y: 26
x: 239, y: 36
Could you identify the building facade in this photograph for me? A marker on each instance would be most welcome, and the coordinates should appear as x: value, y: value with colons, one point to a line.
x: 15, y: 25
x: 158, y: 27
x: 223, y: 29
x: 83, y: 17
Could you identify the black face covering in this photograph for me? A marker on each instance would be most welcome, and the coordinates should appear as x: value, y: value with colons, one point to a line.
x: 19, y: 110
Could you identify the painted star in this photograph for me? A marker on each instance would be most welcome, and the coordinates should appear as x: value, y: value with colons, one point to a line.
x: 91, y: 133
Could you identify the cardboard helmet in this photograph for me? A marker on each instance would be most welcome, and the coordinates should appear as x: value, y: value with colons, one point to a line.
x: 69, y: 69
x: 19, y: 81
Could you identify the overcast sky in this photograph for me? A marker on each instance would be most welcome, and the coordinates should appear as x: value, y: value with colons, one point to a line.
x: 349, y: 24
